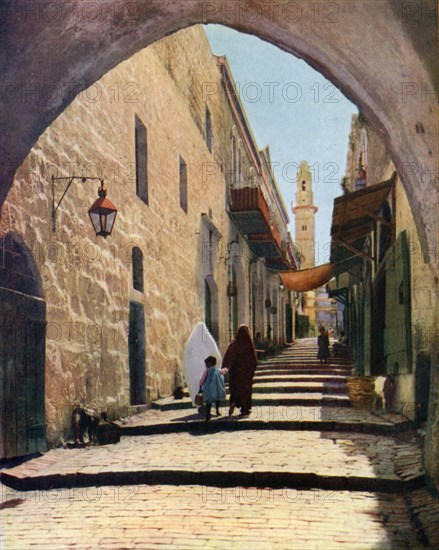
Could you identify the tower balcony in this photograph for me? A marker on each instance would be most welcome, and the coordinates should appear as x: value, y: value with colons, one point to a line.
x: 250, y: 211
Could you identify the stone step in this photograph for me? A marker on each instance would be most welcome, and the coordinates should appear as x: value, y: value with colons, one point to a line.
x: 267, y: 418
x: 299, y: 387
x: 310, y: 364
x: 213, y: 478
x: 197, y: 425
x: 301, y: 371
x: 314, y: 398
x: 336, y: 461
x: 310, y: 361
x: 305, y: 358
x: 171, y: 404
x: 313, y: 359
x: 287, y: 377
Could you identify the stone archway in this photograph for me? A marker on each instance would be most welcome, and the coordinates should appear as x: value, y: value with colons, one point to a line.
x: 380, y: 53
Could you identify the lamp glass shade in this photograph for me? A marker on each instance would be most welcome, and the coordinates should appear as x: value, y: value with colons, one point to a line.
x: 103, y: 215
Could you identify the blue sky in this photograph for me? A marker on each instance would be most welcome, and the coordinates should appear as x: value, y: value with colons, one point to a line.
x: 296, y: 111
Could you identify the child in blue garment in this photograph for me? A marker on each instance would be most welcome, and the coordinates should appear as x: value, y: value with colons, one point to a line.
x: 212, y: 385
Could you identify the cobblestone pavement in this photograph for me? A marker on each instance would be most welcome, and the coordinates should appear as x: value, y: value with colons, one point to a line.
x: 190, y: 517
x: 326, y: 454
x: 284, y: 478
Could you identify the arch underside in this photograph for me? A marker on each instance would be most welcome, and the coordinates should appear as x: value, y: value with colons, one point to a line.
x: 379, y: 53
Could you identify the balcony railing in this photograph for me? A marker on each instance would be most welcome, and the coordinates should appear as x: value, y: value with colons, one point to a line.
x: 266, y: 245
x: 249, y: 210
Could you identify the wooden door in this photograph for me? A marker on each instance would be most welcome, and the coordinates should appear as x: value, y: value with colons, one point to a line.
x: 22, y: 362
x: 136, y: 343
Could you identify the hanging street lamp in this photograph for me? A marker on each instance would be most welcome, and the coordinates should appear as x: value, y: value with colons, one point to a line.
x: 102, y: 213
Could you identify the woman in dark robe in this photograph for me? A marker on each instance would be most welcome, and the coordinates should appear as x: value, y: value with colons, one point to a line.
x: 240, y: 360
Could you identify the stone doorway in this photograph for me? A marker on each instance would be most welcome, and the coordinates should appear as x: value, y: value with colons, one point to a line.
x: 378, y: 365
x: 136, y: 347
x: 22, y: 352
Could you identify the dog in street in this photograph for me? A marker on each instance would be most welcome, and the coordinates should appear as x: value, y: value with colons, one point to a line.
x: 88, y: 425
x: 85, y: 420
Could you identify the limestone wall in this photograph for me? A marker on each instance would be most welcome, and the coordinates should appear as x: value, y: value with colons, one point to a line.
x: 423, y: 298
x: 88, y: 280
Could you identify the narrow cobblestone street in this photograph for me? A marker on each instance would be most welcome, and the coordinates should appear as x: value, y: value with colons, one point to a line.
x: 305, y: 470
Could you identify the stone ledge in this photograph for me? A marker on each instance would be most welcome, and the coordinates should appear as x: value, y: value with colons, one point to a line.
x: 213, y: 478
x: 241, y: 424
x: 314, y: 399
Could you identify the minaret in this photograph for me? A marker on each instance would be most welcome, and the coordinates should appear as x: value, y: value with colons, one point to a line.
x: 304, y: 211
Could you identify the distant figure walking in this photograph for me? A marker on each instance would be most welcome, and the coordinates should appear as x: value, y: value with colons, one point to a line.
x: 323, y: 345
x: 212, y: 385
x: 240, y: 360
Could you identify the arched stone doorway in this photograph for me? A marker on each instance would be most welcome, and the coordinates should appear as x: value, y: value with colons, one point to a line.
x: 22, y: 351
x: 46, y: 40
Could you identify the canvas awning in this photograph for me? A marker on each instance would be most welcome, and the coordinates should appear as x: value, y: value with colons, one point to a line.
x: 353, y: 219
x: 303, y: 280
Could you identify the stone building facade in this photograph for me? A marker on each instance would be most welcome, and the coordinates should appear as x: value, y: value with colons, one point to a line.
x: 105, y: 322
x: 390, y: 297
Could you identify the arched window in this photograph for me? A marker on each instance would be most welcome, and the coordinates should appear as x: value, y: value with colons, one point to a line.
x: 303, y: 185
x: 137, y: 261
x: 252, y: 176
x: 141, y: 146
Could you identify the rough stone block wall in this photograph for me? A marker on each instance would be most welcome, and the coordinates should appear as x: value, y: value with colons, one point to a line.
x: 88, y: 280
x: 423, y: 298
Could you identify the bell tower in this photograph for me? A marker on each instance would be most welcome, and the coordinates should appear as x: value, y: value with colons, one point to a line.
x: 304, y: 211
